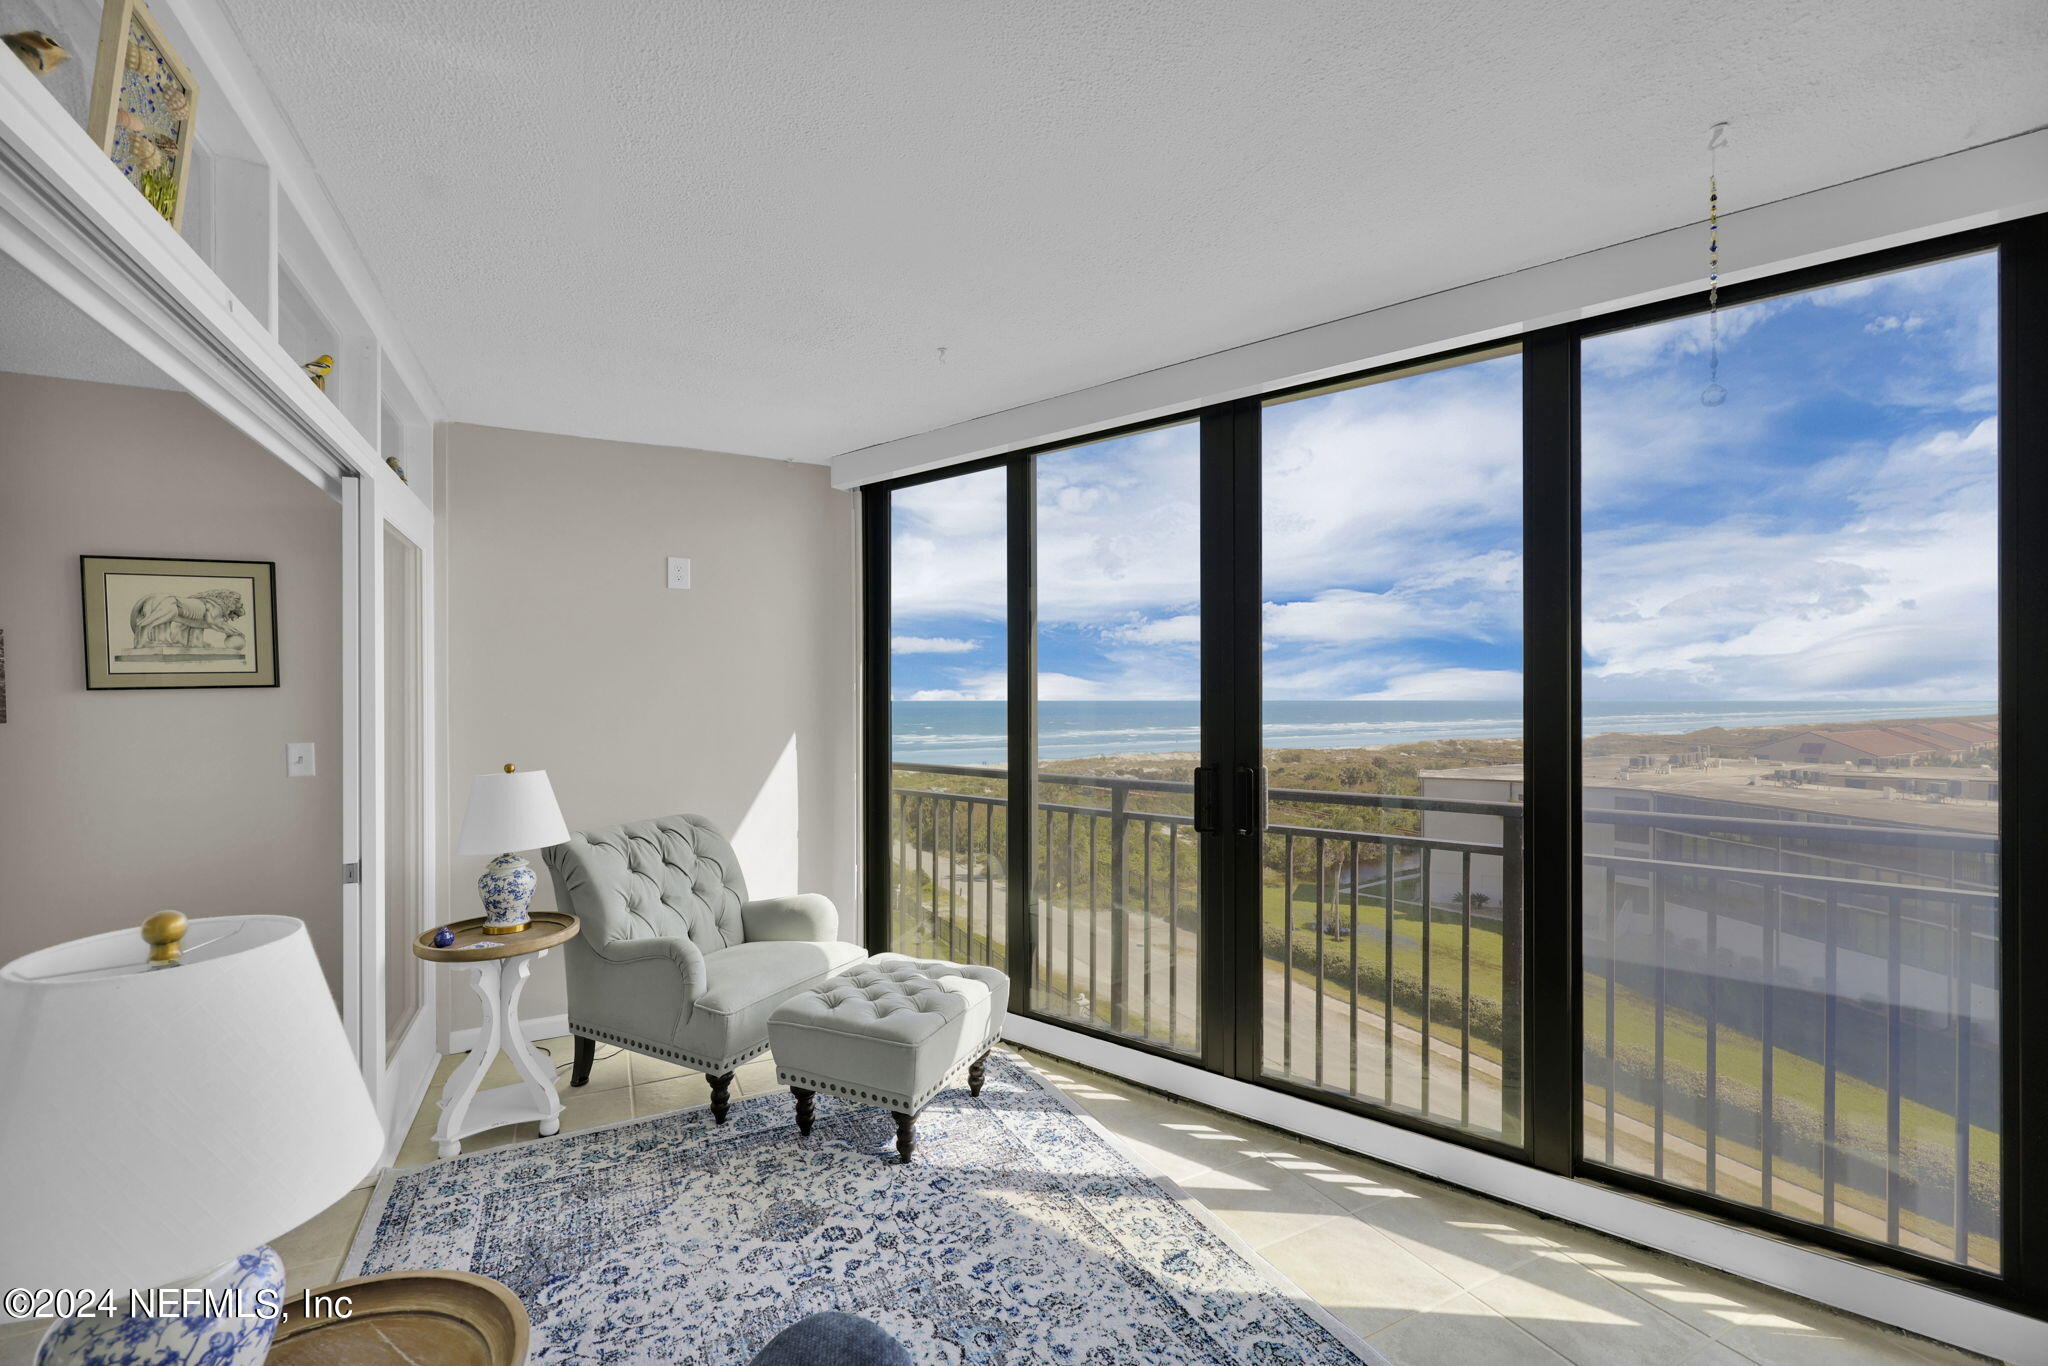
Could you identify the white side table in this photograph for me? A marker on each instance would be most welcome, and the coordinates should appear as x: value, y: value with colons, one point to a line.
x: 498, y: 968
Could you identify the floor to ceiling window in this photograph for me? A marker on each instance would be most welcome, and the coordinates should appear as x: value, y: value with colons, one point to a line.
x: 947, y: 806
x: 1791, y: 755
x: 1391, y: 739
x: 1588, y: 749
x: 1119, y: 581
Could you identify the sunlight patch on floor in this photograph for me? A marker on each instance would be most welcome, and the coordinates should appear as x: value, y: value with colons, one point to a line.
x: 1205, y: 1133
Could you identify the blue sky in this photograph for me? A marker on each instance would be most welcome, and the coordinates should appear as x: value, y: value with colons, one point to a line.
x: 1825, y: 533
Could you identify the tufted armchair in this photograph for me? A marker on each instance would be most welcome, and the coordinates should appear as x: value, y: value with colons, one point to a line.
x: 674, y: 960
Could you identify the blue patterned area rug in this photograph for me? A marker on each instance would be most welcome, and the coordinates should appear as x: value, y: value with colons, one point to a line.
x: 1023, y: 1232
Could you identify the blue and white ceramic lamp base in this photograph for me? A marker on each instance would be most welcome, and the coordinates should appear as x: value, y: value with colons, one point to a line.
x: 252, y: 1283
x: 507, y: 889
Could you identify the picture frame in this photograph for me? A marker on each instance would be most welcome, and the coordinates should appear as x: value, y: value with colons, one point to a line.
x: 159, y: 622
x: 144, y: 104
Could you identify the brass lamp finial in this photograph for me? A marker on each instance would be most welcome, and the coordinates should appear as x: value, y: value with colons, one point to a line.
x: 511, y: 767
x: 163, y: 931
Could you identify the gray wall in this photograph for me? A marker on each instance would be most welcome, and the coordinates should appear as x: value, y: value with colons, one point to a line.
x: 117, y: 804
x: 566, y: 651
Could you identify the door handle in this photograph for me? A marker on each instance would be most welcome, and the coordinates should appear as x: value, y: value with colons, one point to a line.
x: 1205, y: 799
x: 1255, y: 799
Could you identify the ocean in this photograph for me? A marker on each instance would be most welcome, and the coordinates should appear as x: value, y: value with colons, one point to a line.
x: 973, y: 732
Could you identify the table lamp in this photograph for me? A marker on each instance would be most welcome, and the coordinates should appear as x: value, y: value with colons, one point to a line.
x: 172, y: 1100
x: 509, y: 811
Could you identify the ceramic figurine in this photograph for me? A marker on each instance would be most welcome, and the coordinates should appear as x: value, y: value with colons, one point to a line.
x: 317, y: 370
x: 444, y: 937
x: 39, y: 52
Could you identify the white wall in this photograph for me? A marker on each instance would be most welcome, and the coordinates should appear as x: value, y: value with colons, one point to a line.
x: 114, y: 805
x: 566, y: 651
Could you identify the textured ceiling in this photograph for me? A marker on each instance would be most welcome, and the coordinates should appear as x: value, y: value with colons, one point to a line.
x: 750, y: 227
x: 43, y: 333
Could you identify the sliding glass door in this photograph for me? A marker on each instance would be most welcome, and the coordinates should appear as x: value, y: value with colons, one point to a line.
x: 1116, y: 916
x: 1588, y: 748
x: 1390, y: 905
x: 1791, y: 760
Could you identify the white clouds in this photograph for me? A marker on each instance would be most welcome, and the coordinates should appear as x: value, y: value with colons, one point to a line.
x: 1781, y: 545
x: 946, y: 553
x: 1059, y: 687
x: 1365, y: 486
x: 932, y: 645
x: 1119, y: 530
x: 1893, y: 595
x: 1451, y: 685
x: 1184, y: 628
x: 989, y: 685
x: 1344, y: 616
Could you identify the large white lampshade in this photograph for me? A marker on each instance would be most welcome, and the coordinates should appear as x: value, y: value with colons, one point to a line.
x: 511, y: 811
x: 157, y: 1122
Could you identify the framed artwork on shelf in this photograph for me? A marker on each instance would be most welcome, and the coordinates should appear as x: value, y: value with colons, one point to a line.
x: 163, y: 623
x: 143, y: 103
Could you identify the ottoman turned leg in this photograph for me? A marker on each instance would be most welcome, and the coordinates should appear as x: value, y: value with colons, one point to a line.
x: 977, y: 1073
x: 806, y: 1108
x: 579, y: 1065
x: 906, y: 1138
x: 721, y: 1096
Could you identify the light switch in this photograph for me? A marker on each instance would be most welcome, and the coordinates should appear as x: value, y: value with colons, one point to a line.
x: 678, y: 571
x: 298, y: 759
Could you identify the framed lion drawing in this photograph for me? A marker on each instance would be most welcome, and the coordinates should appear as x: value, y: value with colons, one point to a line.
x: 153, y: 623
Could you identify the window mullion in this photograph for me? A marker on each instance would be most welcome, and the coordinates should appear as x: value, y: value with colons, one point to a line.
x: 1022, y: 698
x: 1550, y: 596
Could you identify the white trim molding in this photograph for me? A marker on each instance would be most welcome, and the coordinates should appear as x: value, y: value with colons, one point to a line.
x: 1967, y: 189
x: 1873, y: 1292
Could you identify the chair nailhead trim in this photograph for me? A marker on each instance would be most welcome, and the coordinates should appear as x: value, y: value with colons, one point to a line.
x: 850, y: 1092
x: 706, y: 1065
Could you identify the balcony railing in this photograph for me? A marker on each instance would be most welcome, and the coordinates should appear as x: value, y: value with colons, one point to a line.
x: 1416, y: 1021
x: 1793, y: 1014
x: 1400, y: 986
x: 1799, y: 1015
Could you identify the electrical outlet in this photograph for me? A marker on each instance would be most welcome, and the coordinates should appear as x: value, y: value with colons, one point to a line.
x: 678, y: 571
x: 298, y: 759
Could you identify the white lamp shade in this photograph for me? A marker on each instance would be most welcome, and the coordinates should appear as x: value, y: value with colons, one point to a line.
x: 157, y: 1123
x: 511, y: 811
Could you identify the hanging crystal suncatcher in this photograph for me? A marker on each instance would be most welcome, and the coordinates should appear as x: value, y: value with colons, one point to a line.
x: 1713, y: 396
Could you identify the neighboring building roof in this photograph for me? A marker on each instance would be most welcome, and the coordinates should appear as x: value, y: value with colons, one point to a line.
x: 1880, y: 742
x: 1747, y: 782
x: 1891, y: 742
x: 1966, y: 732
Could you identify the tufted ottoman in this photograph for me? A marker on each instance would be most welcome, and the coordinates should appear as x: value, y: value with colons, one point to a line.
x: 890, y: 1031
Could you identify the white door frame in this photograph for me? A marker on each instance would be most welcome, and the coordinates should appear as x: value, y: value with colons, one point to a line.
x: 396, y: 1071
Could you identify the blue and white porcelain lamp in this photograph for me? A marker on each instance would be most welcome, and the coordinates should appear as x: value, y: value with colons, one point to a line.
x: 170, y: 1104
x: 509, y: 811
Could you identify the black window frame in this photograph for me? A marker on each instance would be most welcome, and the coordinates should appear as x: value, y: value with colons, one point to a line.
x: 1552, y: 1053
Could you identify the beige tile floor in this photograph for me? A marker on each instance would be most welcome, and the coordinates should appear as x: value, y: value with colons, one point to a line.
x: 1427, y: 1273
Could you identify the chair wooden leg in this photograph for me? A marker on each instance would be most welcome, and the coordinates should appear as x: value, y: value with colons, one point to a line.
x: 806, y: 1108
x: 721, y: 1096
x: 579, y: 1066
x: 906, y: 1138
x: 977, y: 1073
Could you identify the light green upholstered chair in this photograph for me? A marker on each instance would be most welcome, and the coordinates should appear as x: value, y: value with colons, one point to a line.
x: 674, y: 960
